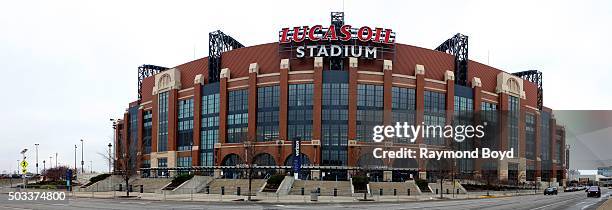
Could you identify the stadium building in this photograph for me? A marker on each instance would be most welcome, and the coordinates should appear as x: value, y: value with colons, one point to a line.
x: 307, y: 104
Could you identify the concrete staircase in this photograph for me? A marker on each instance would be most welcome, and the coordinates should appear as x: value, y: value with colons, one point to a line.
x: 194, y: 185
x: 327, y: 187
x: 447, y: 187
x: 401, y: 188
x: 231, y: 186
x: 104, y: 185
x: 150, y: 185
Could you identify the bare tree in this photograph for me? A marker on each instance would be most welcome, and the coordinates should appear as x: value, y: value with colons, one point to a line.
x: 128, y: 165
x: 108, y: 157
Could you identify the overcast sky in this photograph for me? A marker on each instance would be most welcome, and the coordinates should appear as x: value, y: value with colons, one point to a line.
x: 69, y: 66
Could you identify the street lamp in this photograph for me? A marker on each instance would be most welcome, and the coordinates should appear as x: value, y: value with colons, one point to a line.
x: 56, y: 159
x: 109, y: 157
x: 82, y: 160
x: 50, y: 161
x: 36, y: 145
x: 76, y: 169
x: 44, y: 166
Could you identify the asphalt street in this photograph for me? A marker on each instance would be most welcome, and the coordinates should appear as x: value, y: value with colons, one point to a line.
x: 569, y: 200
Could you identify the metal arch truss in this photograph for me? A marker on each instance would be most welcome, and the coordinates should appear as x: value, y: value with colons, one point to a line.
x: 218, y: 43
x: 534, y: 76
x: 145, y: 71
x: 458, y: 47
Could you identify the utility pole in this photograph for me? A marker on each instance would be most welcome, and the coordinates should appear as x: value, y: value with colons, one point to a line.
x: 50, y: 161
x: 36, y: 157
x: 82, y: 160
x: 44, y: 166
x: 56, y: 159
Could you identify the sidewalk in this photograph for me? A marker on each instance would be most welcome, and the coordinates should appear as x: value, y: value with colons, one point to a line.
x: 606, y: 205
x: 291, y: 198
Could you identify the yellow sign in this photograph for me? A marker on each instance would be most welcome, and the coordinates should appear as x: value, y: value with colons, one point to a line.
x: 24, y: 164
x: 24, y: 171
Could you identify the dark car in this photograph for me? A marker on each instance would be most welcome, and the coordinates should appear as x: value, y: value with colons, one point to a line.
x: 550, y: 191
x: 594, y: 191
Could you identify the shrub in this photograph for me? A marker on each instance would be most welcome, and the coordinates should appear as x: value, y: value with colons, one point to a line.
x: 423, y: 185
x: 97, y: 178
x: 274, y: 182
x: 360, y: 183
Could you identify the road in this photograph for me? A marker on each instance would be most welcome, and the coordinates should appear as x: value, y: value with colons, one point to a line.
x: 570, y: 200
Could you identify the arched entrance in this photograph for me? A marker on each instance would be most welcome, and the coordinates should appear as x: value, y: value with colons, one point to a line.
x: 405, y: 169
x: 231, y: 160
x: 263, y: 159
x: 304, y: 173
x: 437, y: 169
x: 372, y: 166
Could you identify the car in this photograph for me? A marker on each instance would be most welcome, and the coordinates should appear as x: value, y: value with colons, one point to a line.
x: 550, y: 191
x: 594, y: 191
x: 569, y: 189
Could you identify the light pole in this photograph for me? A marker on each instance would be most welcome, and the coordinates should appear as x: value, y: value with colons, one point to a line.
x: 44, y: 166
x: 82, y: 160
x: 109, y: 157
x: 50, y: 161
x: 36, y: 145
x: 56, y: 159
x: 76, y: 169
x: 91, y: 166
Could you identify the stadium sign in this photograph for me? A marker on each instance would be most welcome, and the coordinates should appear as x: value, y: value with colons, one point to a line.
x: 345, y: 41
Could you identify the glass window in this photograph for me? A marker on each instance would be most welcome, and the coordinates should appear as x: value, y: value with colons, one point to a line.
x: 403, y: 108
x: 434, y: 115
x: 147, y: 128
x: 185, y: 124
x: 209, y: 134
x: 238, y: 116
x: 162, y: 133
x: 369, y: 110
x: 299, y: 123
x: 530, y: 136
x: 463, y: 115
x: 513, y: 121
x: 334, y: 126
x: 267, y: 112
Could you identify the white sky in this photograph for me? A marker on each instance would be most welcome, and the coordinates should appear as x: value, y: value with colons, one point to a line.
x: 69, y: 66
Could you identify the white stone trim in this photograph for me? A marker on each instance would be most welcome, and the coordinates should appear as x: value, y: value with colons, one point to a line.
x: 476, y: 82
x: 436, y: 89
x: 402, y: 84
x: 403, y: 76
x: 318, y: 62
x: 510, y: 84
x: 419, y: 69
x: 268, y: 75
x: 284, y: 64
x: 531, y: 107
x: 300, y: 80
x: 225, y: 73
x: 489, y: 100
x: 449, y: 75
x: 238, y: 79
x: 489, y: 93
x: 371, y: 73
x: 435, y: 81
x: 254, y: 68
x: 387, y: 65
x: 185, y: 90
x: 167, y: 80
x: 302, y: 72
x: 238, y: 87
x: 267, y: 83
x: 371, y: 81
x: 353, y: 62
x: 184, y: 97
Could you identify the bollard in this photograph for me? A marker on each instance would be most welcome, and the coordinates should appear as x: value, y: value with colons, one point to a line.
x: 319, y: 190
x: 302, y: 191
x: 408, y: 192
x: 335, y: 192
x: 436, y: 191
x: 238, y: 191
x: 141, y: 188
x: 394, y: 192
x: 447, y: 192
x: 457, y: 191
x: 222, y: 190
x: 120, y: 187
x: 380, y: 192
x: 207, y: 189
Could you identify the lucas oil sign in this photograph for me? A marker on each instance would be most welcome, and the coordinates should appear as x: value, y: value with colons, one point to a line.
x: 344, y: 41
